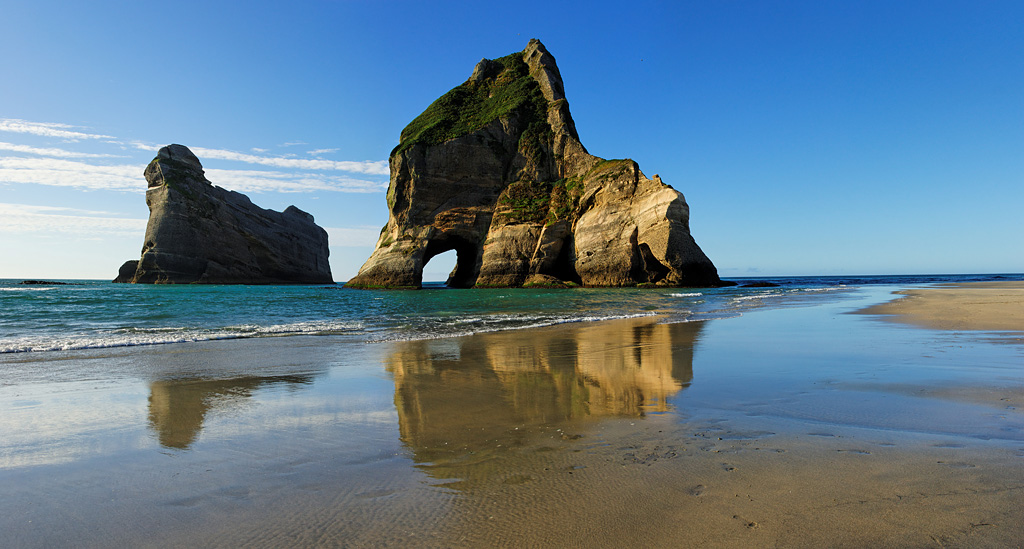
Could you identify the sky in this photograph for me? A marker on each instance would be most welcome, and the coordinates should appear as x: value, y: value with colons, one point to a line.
x: 808, y: 137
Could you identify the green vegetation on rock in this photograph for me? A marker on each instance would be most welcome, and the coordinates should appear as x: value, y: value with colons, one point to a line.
x: 525, y: 202
x: 540, y: 201
x: 551, y: 286
x: 611, y: 169
x: 535, y: 139
x: 565, y: 199
x: 505, y: 88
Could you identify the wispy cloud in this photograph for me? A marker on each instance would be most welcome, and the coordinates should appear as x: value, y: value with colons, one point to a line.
x: 264, y: 181
x: 47, y: 129
x: 59, y: 153
x: 348, y: 237
x: 366, y: 167
x: 66, y: 167
x: 318, y: 152
x: 145, y: 146
x: 25, y: 218
x: 70, y: 173
x: 31, y: 208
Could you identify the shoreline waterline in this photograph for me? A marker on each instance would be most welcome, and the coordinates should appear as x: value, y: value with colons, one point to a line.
x: 99, y: 314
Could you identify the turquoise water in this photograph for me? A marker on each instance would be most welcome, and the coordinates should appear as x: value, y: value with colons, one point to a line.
x: 94, y: 314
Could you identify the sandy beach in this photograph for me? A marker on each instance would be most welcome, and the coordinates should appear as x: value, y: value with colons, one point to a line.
x: 799, y: 426
x: 987, y: 306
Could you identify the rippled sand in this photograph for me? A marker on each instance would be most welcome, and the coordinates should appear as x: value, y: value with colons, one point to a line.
x: 800, y: 427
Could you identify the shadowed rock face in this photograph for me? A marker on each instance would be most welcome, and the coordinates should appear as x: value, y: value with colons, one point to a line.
x: 200, y: 233
x: 494, y: 169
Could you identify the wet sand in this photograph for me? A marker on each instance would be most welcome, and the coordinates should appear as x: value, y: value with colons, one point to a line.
x: 796, y: 427
x: 984, y: 306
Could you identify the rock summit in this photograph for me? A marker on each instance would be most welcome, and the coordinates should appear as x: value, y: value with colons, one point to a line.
x: 495, y: 170
x: 201, y: 233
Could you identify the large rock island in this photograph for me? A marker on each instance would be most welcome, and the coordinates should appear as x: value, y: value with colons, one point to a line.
x: 201, y: 233
x: 495, y: 170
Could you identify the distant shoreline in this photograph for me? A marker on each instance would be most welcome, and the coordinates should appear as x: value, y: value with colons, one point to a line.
x: 972, y: 306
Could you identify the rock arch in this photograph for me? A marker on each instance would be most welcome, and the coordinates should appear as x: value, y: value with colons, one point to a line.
x: 494, y: 169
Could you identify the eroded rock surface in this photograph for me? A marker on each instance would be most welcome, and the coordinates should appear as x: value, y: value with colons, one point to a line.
x: 495, y: 170
x: 201, y: 233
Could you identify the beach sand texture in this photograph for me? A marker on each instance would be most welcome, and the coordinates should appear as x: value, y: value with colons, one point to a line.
x: 988, y: 306
x: 796, y: 427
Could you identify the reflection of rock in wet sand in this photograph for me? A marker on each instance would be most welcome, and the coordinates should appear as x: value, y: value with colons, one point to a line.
x: 178, y: 407
x: 469, y: 394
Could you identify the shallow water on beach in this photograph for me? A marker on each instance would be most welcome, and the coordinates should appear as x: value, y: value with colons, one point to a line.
x: 93, y: 314
x: 746, y: 429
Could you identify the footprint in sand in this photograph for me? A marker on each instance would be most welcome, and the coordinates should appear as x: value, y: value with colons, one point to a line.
x: 748, y: 523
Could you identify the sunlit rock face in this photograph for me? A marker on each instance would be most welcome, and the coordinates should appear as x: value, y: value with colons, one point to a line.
x: 201, y: 233
x: 495, y: 170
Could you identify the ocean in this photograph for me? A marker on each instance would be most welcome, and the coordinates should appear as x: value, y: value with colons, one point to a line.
x: 85, y: 314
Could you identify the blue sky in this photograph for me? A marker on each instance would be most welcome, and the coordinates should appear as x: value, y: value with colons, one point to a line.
x: 813, y: 137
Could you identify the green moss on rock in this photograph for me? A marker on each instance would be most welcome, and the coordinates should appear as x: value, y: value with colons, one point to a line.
x: 476, y: 103
x: 525, y: 202
x: 565, y: 199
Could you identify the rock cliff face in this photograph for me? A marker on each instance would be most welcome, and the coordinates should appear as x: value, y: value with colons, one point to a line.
x: 200, y: 233
x: 494, y: 169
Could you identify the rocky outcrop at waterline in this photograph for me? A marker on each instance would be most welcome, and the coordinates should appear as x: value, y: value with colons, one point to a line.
x: 495, y: 170
x: 201, y: 233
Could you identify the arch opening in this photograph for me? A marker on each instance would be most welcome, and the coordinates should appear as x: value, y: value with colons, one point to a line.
x: 440, y: 266
x: 467, y: 266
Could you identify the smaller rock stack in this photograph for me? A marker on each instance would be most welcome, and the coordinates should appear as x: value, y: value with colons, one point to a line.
x: 201, y: 233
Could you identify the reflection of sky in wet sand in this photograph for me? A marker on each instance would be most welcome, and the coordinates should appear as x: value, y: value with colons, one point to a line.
x: 462, y: 401
x: 178, y: 407
x: 65, y: 408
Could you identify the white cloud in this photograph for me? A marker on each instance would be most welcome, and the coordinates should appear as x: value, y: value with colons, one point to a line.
x: 69, y: 168
x: 318, y: 152
x: 145, y: 146
x: 46, y: 129
x: 264, y: 181
x: 368, y: 167
x: 25, y: 218
x: 49, y: 209
x: 70, y: 173
x: 346, y: 237
x: 59, y: 153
